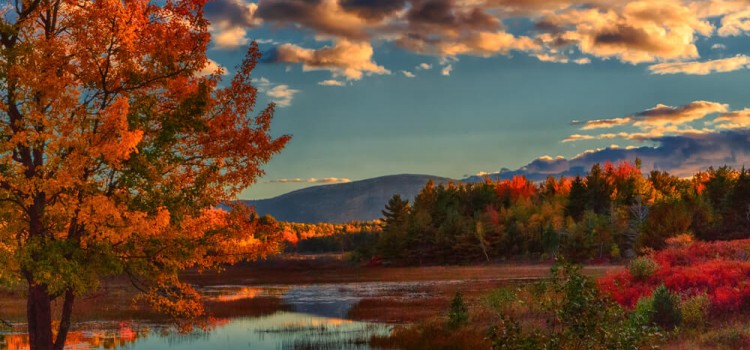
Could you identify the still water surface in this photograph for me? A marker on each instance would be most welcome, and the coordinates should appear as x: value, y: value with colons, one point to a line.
x: 316, y: 320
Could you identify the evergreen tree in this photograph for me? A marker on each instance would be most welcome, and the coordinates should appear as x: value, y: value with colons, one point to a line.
x: 598, y: 191
x: 576, y: 199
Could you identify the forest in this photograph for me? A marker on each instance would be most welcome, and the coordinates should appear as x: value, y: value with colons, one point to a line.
x: 615, y: 211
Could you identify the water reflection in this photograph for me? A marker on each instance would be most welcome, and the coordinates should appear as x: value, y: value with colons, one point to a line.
x: 91, y: 335
x: 281, y: 330
x: 315, y: 318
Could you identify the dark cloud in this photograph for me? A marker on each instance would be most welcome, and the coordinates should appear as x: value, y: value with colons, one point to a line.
x: 317, y: 15
x: 373, y: 9
x: 235, y: 12
x: 681, y: 155
x: 446, y: 15
x: 629, y: 37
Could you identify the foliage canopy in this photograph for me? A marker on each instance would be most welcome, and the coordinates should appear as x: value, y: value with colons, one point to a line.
x: 115, y: 149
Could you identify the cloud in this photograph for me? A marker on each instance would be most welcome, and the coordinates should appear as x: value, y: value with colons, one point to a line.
x: 475, y: 43
x: 702, y: 68
x: 446, y: 71
x: 662, y: 33
x: 347, y: 59
x: 211, y: 68
x: 735, y: 23
x: 657, y: 121
x: 578, y: 137
x: 230, y: 20
x: 718, y: 47
x: 408, y: 74
x: 424, y: 66
x: 332, y: 82
x: 734, y: 120
x: 681, y: 155
x: 632, y: 31
x: 326, y: 180
x: 663, y: 114
x: 237, y: 13
x: 605, y: 123
x: 282, y: 95
x: 226, y: 36
x: 326, y: 17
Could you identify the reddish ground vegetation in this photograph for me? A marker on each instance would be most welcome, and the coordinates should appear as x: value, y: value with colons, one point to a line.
x: 719, y: 269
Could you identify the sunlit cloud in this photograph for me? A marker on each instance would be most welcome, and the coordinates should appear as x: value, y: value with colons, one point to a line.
x: 578, y: 137
x: 604, y: 123
x: 662, y: 33
x: 734, y: 120
x: 326, y: 180
x: 347, y: 59
x: 408, y: 74
x: 702, y: 68
x: 446, y: 71
x: 633, y: 32
x: 211, y: 67
x: 653, y: 122
x: 332, y: 82
x: 736, y: 23
x: 226, y: 36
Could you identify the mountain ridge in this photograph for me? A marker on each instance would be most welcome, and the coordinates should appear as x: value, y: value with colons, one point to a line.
x: 361, y: 200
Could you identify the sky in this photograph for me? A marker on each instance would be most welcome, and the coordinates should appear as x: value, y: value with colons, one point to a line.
x: 456, y: 88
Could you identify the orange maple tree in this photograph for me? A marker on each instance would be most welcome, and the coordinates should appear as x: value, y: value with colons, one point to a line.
x: 115, y: 151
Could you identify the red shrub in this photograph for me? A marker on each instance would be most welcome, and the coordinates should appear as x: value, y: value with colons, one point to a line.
x: 720, y: 269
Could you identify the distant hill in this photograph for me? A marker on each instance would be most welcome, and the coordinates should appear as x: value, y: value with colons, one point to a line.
x: 338, y: 203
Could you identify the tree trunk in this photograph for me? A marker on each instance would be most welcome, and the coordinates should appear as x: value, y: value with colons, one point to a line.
x: 39, y: 314
x: 67, y: 310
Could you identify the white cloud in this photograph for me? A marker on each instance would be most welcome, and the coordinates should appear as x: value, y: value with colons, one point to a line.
x: 408, y: 74
x: 424, y: 66
x: 332, y: 82
x: 282, y: 95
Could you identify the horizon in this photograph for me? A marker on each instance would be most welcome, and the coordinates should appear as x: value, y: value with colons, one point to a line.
x: 540, y: 85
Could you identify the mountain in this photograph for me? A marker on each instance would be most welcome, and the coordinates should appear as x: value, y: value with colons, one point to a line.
x: 338, y: 203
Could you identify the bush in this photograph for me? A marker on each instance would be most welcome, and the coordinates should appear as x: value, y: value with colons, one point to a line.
x: 644, y: 309
x: 501, y: 300
x: 458, y: 314
x: 695, y: 311
x: 577, y: 316
x: 642, y: 267
x: 666, y: 305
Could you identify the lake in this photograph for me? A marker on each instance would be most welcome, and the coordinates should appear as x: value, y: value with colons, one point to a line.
x: 281, y: 308
x: 315, y: 317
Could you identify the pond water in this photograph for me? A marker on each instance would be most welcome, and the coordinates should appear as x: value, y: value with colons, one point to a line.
x: 281, y: 330
x: 314, y: 317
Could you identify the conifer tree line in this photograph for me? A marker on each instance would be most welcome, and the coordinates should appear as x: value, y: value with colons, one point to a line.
x: 614, y: 211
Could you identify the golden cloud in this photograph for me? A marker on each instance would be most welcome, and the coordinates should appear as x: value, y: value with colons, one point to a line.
x: 346, y: 58
x: 702, y: 68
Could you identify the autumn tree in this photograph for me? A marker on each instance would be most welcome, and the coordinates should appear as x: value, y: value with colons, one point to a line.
x: 116, y: 148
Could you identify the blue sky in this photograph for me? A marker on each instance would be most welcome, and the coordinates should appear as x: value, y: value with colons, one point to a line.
x: 466, y: 86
